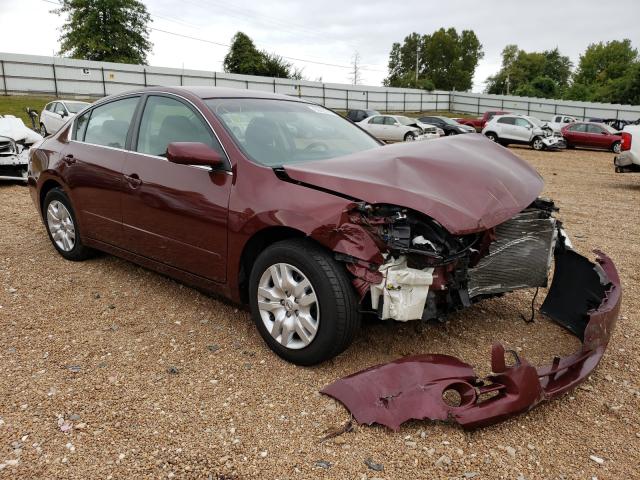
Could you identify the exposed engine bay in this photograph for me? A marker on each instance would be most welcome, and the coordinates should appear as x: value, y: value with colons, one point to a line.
x: 15, y: 141
x: 428, y: 273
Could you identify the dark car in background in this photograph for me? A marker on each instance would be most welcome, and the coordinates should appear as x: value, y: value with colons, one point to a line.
x: 592, y: 135
x: 449, y: 125
x: 358, y: 115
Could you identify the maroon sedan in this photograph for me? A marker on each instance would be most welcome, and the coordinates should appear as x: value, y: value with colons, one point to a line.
x: 285, y: 206
x: 592, y: 135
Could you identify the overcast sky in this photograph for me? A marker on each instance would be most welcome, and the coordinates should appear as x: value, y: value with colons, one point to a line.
x: 331, y: 31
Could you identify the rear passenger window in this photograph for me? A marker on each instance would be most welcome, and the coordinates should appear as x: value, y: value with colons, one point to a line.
x: 167, y: 120
x: 109, y: 123
x: 507, y: 120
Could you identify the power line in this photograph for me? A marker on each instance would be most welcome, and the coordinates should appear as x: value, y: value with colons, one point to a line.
x: 190, y: 37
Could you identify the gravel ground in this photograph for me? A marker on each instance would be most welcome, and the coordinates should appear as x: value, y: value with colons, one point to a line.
x: 112, y: 371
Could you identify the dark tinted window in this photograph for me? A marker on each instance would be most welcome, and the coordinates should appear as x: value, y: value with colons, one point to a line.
x: 167, y: 120
x: 594, y: 129
x: 507, y: 120
x: 109, y: 123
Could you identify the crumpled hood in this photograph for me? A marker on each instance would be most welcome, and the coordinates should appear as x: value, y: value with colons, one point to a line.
x: 467, y: 183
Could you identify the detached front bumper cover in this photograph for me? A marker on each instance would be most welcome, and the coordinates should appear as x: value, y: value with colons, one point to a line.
x: 584, y: 298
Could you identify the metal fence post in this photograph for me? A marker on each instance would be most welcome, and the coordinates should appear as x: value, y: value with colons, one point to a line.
x: 404, y: 102
x: 246, y: 81
x: 347, y: 90
x: 436, y: 101
x: 104, y: 85
x: 420, y: 101
x: 502, y: 104
x: 180, y: 79
x: 144, y: 71
x: 367, y: 100
x: 299, y: 91
x: 386, y: 100
x: 528, y: 107
x: 55, y: 80
x: 478, y: 105
x: 4, y: 77
x: 274, y: 85
x: 324, y: 101
x: 584, y: 112
x: 215, y: 79
x: 555, y: 108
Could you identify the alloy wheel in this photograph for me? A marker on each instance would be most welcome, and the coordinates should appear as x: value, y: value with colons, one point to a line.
x: 288, y: 306
x: 61, y: 226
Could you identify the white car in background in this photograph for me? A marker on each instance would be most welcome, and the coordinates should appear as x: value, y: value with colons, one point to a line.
x: 629, y: 158
x: 398, y: 128
x: 560, y: 121
x: 523, y: 130
x: 55, y: 114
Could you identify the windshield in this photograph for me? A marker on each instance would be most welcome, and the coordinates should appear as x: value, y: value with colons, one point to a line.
x: 75, y: 107
x: 537, y: 122
x: 406, y: 120
x: 280, y: 132
x: 448, y: 121
x: 609, y: 128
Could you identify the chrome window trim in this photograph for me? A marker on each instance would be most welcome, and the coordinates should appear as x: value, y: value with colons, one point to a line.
x: 114, y: 98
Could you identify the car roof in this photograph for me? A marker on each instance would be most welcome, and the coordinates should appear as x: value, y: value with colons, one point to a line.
x: 221, y: 92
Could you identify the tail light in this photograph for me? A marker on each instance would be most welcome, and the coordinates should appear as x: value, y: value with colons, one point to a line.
x: 626, y: 141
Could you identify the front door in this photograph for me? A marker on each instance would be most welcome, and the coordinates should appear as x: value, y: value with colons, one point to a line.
x: 175, y: 214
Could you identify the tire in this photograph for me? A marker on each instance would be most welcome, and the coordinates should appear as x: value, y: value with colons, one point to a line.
x: 492, y: 136
x: 57, y: 210
x: 334, y: 313
x: 616, y: 147
x: 450, y: 133
x: 410, y: 137
x: 537, y: 144
x: 570, y: 147
x: 43, y: 130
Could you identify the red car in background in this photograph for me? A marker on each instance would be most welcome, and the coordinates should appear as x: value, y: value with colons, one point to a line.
x: 592, y: 135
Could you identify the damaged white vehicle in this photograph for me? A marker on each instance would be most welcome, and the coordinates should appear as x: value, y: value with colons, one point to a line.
x: 15, y: 141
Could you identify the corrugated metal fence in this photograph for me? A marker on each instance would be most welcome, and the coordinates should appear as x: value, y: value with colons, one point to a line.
x: 58, y: 76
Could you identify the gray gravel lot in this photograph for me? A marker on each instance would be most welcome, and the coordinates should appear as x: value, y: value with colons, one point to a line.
x: 112, y: 371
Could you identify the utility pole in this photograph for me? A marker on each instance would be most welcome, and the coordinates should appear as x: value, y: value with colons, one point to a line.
x: 417, y: 61
x: 356, y: 76
x: 507, y: 84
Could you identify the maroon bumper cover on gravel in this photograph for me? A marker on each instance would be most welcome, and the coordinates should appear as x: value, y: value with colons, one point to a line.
x: 584, y: 298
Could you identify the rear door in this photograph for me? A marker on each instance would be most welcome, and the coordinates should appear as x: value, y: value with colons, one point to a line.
x: 576, y: 134
x: 94, y: 159
x: 392, y: 130
x: 175, y: 214
x: 375, y: 125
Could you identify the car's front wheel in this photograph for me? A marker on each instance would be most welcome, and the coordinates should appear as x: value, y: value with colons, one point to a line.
x: 537, y: 144
x: 43, y: 130
x: 410, y: 137
x: 302, y: 302
x: 62, y: 226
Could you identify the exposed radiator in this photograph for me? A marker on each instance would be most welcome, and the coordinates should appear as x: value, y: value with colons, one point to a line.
x: 520, y: 257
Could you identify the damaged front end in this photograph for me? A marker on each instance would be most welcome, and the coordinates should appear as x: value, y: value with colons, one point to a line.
x: 15, y: 141
x: 428, y: 273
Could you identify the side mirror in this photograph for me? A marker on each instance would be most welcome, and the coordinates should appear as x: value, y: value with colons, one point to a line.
x: 193, y: 153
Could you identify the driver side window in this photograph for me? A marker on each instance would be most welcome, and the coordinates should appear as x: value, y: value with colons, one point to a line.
x: 390, y: 121
x: 167, y: 120
x: 521, y: 122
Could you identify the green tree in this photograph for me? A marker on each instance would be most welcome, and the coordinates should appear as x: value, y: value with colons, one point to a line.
x: 607, y: 72
x: 445, y: 60
x: 244, y: 58
x: 533, y: 74
x: 105, y: 30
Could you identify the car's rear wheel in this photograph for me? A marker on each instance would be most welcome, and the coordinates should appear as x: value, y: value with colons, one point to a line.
x: 537, y: 144
x: 492, y: 136
x: 43, y: 130
x: 410, y: 137
x: 62, y: 226
x: 616, y: 147
x: 302, y: 302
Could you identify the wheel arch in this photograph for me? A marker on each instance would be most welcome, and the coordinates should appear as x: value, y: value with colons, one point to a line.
x: 254, y: 246
x: 46, y: 187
